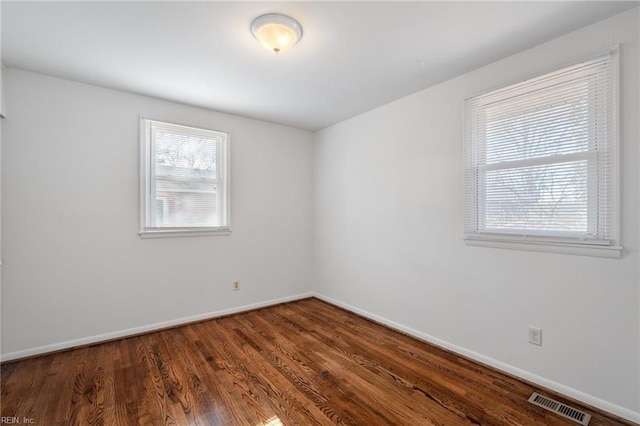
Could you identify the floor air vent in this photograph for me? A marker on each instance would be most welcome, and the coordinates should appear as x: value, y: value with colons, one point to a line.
x: 560, y: 408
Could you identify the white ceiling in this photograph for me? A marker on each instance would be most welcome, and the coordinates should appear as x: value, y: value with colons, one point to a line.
x: 353, y: 56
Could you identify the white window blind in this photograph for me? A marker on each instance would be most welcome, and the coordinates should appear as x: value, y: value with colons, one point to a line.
x: 540, y: 159
x: 185, y: 181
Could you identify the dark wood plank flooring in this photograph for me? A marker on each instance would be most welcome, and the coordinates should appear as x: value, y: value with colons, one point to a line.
x: 300, y: 363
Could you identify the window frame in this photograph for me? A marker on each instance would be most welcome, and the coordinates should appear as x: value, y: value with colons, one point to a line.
x: 546, y: 241
x: 147, y: 179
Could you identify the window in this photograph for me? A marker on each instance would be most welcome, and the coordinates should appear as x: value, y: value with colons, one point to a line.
x: 184, y: 180
x: 540, y: 160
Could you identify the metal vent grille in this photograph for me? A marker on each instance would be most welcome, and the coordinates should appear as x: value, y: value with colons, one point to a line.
x: 560, y: 408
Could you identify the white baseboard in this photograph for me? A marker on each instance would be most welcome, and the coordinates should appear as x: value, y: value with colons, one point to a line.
x: 549, y: 384
x: 144, y: 329
x: 557, y: 387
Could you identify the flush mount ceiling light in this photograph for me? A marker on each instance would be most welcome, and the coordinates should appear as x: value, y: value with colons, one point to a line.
x: 277, y: 33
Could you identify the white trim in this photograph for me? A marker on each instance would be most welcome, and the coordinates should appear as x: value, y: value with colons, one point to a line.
x: 145, y: 328
x: 186, y: 232
x: 614, y: 49
x: 475, y: 168
x: 144, y: 166
x: 147, y: 180
x: 616, y: 137
x: 611, y: 252
x: 3, y: 106
x: 549, y: 384
x: 557, y: 387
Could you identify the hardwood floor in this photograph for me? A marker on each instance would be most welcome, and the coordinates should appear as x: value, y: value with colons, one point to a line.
x: 304, y: 363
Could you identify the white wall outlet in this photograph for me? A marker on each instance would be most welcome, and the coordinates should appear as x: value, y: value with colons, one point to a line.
x: 236, y: 285
x: 535, y: 336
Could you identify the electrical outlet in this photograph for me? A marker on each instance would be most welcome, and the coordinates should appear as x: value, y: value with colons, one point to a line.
x: 236, y: 285
x: 535, y: 336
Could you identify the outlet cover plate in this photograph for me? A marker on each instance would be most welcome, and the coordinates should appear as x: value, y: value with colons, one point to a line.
x: 535, y: 336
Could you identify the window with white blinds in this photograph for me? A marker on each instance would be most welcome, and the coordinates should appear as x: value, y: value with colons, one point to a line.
x: 540, y: 159
x: 184, y: 186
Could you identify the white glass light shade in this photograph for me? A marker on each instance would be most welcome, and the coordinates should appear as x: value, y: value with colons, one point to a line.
x: 277, y: 33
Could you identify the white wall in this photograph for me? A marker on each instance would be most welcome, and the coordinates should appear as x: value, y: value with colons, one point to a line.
x: 388, y: 224
x: 2, y: 115
x: 75, y: 269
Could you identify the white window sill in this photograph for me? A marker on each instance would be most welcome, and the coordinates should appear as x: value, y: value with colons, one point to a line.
x: 614, y: 252
x: 182, y: 233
